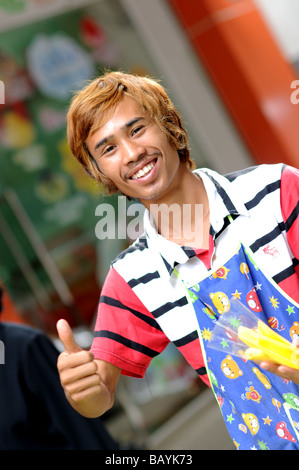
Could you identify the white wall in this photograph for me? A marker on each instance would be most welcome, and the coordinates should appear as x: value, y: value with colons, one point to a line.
x: 282, y: 17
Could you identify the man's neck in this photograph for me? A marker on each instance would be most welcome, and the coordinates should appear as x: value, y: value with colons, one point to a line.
x: 183, y: 216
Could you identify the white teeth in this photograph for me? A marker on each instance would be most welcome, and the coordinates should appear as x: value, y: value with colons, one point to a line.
x: 146, y: 169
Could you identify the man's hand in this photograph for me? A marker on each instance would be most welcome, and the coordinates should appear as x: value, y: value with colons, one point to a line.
x: 283, y: 371
x: 81, y: 378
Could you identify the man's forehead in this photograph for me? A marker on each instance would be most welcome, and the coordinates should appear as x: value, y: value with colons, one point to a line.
x: 124, y: 111
x: 122, y: 116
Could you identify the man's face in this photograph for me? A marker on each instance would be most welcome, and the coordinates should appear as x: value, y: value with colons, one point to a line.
x: 134, y: 153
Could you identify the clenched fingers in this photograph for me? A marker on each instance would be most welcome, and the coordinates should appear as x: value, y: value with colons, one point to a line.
x: 84, y: 384
x: 67, y: 360
x: 282, y: 371
x: 73, y: 367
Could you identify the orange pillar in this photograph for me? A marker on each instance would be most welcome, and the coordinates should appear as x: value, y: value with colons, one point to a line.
x: 10, y: 312
x: 250, y: 72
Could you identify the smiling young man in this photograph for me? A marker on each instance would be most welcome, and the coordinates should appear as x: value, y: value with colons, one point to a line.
x: 135, y: 153
x: 168, y: 286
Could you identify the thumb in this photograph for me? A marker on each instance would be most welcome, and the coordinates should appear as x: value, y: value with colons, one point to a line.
x: 66, y: 337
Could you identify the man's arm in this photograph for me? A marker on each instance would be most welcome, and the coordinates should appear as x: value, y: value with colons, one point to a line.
x: 290, y: 212
x: 290, y: 206
x: 89, y: 383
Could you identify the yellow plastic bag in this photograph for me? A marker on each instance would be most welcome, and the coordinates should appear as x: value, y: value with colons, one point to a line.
x: 241, y: 333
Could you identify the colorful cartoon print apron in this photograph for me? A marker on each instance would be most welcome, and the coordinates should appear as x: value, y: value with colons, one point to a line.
x: 260, y: 409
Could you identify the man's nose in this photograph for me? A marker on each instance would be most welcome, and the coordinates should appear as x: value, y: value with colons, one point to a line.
x: 132, y: 151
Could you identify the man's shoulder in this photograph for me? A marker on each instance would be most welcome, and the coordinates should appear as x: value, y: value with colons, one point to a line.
x: 260, y: 173
x: 137, y: 247
x: 256, y: 182
x: 138, y: 262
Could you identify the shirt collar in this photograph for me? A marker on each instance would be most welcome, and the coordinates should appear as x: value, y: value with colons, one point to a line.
x: 223, y: 198
x: 223, y: 201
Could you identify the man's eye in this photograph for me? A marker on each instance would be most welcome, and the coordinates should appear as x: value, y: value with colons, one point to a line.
x: 137, y: 130
x: 108, y: 149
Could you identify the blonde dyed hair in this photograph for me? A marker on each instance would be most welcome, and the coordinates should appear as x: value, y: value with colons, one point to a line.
x: 94, y: 105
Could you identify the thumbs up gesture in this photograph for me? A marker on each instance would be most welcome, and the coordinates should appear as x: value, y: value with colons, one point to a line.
x: 78, y: 372
x: 66, y: 337
x: 89, y: 383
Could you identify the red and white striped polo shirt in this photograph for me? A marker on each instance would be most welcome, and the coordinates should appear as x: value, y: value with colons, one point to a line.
x: 143, y: 304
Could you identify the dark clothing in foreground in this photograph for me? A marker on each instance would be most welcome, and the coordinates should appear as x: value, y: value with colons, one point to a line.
x: 34, y: 412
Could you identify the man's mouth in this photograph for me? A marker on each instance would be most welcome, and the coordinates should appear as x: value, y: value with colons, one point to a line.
x: 143, y: 171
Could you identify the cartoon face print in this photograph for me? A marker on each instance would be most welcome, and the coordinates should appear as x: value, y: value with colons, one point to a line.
x: 230, y: 368
x: 221, y: 302
x: 252, y: 422
x: 253, y: 301
x: 292, y: 400
x: 221, y: 273
x: 282, y: 431
x: 294, y: 330
x: 253, y: 395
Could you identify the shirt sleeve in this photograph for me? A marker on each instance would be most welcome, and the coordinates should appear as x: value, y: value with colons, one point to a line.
x: 126, y: 334
x: 290, y: 206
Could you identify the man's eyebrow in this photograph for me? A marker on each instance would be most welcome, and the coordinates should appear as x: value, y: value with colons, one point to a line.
x: 102, y: 142
x: 133, y: 121
x: 125, y: 126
